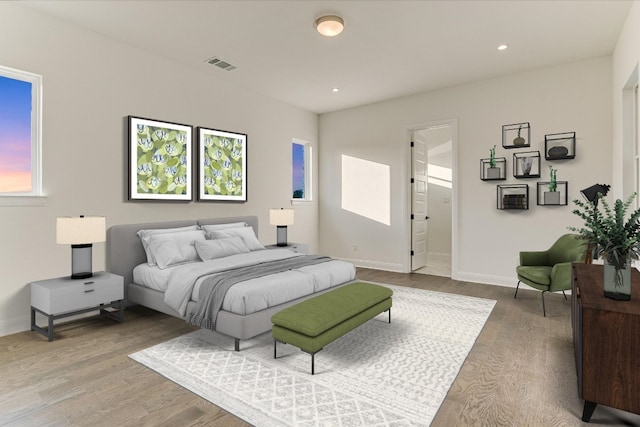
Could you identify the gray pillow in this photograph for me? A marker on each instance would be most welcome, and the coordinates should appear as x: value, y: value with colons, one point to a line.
x: 213, y: 227
x: 219, y: 248
x: 145, y: 234
x: 175, y: 248
x: 246, y: 233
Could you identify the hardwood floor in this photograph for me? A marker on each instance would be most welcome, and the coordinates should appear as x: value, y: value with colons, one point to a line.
x: 520, y: 372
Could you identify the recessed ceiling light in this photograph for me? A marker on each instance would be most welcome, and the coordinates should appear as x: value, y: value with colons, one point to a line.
x: 335, y: 89
x: 330, y: 25
x: 503, y: 47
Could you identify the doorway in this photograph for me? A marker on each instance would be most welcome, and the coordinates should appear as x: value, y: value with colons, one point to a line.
x: 431, y: 199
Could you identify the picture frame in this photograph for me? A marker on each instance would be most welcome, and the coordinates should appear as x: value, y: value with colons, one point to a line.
x: 160, y: 160
x: 222, y: 165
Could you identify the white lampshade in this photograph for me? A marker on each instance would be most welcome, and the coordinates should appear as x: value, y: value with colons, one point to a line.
x: 79, y: 230
x: 330, y: 25
x: 281, y: 216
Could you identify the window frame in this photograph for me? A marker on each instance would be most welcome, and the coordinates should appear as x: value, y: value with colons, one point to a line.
x: 636, y: 142
x: 308, y: 172
x: 35, y: 196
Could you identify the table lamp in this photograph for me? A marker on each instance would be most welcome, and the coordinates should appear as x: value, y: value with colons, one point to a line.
x: 281, y: 218
x: 591, y: 193
x: 80, y: 232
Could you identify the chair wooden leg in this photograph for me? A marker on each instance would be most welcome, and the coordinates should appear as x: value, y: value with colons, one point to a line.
x: 544, y: 310
x: 517, y: 286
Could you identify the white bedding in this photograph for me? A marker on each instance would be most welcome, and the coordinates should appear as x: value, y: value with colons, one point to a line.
x: 181, y: 283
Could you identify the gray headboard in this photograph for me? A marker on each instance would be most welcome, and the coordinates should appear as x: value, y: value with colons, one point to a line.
x: 124, y: 250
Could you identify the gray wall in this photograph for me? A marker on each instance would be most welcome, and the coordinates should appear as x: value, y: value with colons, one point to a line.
x: 573, y: 97
x: 91, y: 84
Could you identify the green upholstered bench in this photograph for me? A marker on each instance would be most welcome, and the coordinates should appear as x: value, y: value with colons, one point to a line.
x: 318, y: 321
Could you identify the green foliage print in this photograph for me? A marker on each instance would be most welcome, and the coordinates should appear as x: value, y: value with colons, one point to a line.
x: 162, y: 160
x: 223, y: 159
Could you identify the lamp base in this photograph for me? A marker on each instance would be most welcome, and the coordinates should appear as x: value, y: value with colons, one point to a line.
x: 281, y: 235
x: 81, y: 261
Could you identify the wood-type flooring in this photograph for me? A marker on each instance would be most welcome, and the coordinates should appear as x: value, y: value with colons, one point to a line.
x: 521, y: 371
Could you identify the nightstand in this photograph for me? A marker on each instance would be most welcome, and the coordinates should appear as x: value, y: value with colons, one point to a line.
x: 299, y: 248
x: 64, y: 297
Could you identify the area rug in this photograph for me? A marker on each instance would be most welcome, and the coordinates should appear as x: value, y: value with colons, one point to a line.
x: 379, y: 374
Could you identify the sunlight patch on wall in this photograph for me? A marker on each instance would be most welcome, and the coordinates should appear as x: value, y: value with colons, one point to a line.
x: 439, y: 175
x: 366, y: 189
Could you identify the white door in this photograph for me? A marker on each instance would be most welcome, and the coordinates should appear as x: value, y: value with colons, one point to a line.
x: 418, y: 204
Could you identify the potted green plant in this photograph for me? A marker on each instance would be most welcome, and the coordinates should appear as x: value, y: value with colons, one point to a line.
x: 616, y: 240
x: 552, y: 197
x: 493, y: 172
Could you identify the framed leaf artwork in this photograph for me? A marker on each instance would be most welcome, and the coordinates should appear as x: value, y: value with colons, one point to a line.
x: 222, y: 165
x: 160, y: 160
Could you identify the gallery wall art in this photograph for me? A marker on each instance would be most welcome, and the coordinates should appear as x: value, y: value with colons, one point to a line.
x: 160, y: 160
x: 222, y: 165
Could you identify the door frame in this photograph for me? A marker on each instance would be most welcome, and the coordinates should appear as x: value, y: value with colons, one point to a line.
x: 408, y: 132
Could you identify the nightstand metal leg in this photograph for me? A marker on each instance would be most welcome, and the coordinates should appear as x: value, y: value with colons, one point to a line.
x: 50, y: 330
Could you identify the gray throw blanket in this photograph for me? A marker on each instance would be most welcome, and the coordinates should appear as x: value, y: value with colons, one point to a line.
x: 214, y: 288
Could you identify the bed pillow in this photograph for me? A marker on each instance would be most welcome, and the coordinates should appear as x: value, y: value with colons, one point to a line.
x: 213, y: 227
x: 145, y: 234
x: 246, y: 233
x: 219, y: 248
x: 175, y: 248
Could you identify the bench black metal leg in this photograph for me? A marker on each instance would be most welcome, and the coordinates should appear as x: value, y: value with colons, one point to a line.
x: 275, y: 347
x: 313, y: 363
x: 389, y: 315
x: 237, y: 344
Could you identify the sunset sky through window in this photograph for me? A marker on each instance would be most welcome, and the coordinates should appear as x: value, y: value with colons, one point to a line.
x: 15, y: 135
x: 298, y: 170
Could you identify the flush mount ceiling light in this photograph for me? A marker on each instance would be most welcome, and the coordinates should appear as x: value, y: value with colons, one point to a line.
x: 335, y: 89
x: 329, y: 25
x: 503, y: 47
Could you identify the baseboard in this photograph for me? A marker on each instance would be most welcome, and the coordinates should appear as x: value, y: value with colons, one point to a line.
x: 14, y: 325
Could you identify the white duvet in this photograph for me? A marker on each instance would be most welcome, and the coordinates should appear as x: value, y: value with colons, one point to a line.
x: 182, y: 283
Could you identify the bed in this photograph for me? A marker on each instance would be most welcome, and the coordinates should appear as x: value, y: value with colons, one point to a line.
x: 242, y: 314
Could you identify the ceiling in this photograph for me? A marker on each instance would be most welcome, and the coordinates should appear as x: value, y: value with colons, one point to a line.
x: 387, y: 49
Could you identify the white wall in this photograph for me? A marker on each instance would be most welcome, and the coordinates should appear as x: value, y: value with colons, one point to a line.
x: 626, y: 60
x: 91, y: 84
x: 573, y: 97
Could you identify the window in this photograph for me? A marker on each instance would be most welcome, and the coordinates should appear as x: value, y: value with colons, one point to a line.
x: 301, y: 167
x: 20, y: 137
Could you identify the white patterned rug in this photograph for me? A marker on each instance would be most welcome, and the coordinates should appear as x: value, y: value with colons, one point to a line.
x: 379, y: 374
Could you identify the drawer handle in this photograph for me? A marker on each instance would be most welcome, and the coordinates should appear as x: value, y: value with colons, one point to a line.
x: 89, y: 283
x: 86, y: 291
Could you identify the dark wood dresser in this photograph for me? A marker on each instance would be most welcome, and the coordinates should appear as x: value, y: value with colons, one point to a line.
x: 606, y: 338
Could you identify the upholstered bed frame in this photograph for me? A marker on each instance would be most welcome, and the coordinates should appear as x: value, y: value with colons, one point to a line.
x: 125, y: 252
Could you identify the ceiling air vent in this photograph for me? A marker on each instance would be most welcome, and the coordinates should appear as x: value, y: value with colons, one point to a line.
x: 221, y: 64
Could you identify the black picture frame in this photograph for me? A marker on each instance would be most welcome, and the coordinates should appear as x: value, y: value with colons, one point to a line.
x: 160, y: 160
x: 222, y: 165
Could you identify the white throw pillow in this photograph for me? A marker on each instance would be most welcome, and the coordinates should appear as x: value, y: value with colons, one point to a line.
x: 219, y: 248
x: 175, y: 248
x: 246, y: 233
x: 145, y: 234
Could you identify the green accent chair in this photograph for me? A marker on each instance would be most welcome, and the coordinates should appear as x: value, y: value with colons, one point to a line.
x: 550, y: 270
